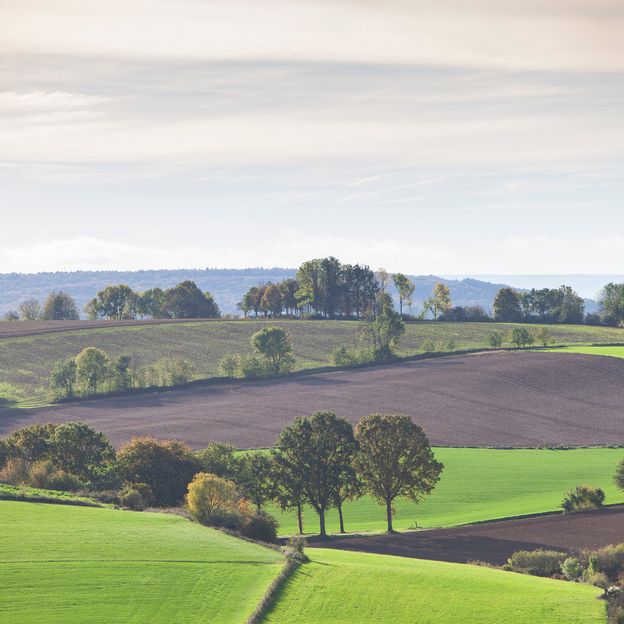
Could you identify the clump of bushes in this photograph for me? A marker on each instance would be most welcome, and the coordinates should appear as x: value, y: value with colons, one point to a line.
x: 351, y: 357
x: 583, y: 498
x: 215, y: 501
x: 41, y: 474
x: 573, y: 568
x: 537, y: 562
x: 93, y: 372
x: 136, y: 496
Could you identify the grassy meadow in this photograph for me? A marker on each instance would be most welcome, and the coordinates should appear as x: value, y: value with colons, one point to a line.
x: 610, y: 351
x: 26, y: 362
x: 481, y: 484
x: 342, y: 587
x: 65, y: 565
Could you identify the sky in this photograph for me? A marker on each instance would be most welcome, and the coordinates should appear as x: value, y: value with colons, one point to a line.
x: 449, y: 137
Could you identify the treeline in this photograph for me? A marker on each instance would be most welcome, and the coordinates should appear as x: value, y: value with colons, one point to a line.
x: 319, y: 460
x: 93, y: 372
x: 120, y: 302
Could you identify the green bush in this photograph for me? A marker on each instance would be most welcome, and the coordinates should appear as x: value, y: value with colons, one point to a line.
x: 572, y: 568
x: 228, y: 366
x: 608, y: 560
x: 251, y: 367
x: 45, y: 475
x: 136, y: 496
x: 343, y: 357
x: 582, y: 498
x: 599, y: 579
x: 495, y: 339
x: 259, y: 526
x: 537, y: 562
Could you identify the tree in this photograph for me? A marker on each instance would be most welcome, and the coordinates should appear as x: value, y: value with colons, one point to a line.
x: 93, y: 366
x: 382, y: 333
x: 30, y: 310
x: 218, y: 459
x: 495, y: 339
x: 439, y: 302
x: 289, y: 491
x: 80, y: 450
x: 166, y: 466
x: 544, y: 336
x: 570, y: 306
x: 11, y: 315
x: 113, y: 302
x: 63, y: 378
x: 273, y: 344
x: 60, y: 306
x: 406, y: 288
x: 348, y: 487
x: 208, y: 495
x: 383, y: 279
x: 288, y: 289
x: 395, y: 459
x: 255, y: 478
x: 521, y: 337
x: 186, y: 300
x: 611, y: 300
x: 316, y: 450
x: 618, y: 478
x: 151, y: 303
x: 121, y: 370
x: 31, y: 443
x: 271, y: 302
x: 506, y: 306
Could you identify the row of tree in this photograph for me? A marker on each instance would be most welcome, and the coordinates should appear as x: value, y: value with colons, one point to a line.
x: 119, y: 302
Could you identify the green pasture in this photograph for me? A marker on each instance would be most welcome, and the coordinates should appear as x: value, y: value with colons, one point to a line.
x: 342, y: 588
x: 66, y: 565
x: 611, y: 351
x: 481, y: 484
x: 26, y: 362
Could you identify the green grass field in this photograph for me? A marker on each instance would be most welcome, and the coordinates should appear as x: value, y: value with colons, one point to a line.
x: 342, y: 588
x: 617, y: 352
x: 482, y: 484
x: 66, y: 565
x: 25, y: 362
x: 25, y: 493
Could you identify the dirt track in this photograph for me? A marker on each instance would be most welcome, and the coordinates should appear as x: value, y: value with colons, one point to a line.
x: 495, y: 399
x: 494, y: 542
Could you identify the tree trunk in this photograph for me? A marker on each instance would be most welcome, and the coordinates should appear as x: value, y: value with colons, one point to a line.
x: 299, y: 518
x: 342, y: 529
x: 322, y: 531
x: 389, y: 515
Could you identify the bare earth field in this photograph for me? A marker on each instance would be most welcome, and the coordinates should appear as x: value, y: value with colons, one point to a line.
x: 495, y: 542
x: 502, y: 399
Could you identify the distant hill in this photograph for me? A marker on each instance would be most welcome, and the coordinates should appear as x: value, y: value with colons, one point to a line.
x: 227, y: 285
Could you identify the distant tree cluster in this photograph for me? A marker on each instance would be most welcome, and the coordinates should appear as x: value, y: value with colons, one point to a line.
x: 185, y: 300
x: 58, y: 306
x: 93, y: 372
x: 547, y: 305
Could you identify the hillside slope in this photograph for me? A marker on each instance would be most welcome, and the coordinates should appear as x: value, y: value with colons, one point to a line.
x: 66, y: 565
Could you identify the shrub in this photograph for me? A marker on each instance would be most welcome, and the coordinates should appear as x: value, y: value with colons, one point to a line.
x: 495, y: 339
x: 259, y: 526
x: 428, y: 346
x: 544, y: 336
x: 451, y: 345
x: 136, y: 496
x: 343, y: 357
x: 599, y: 579
x: 228, y: 366
x: 218, y: 459
x: 166, y: 466
x: 537, y: 562
x: 45, y: 475
x: 16, y: 471
x: 209, y: 497
x: 275, y: 346
x: 521, y: 337
x: 583, y: 497
x: 608, y: 560
x: 251, y: 367
x: 572, y: 568
x: 63, y: 378
x: 296, y: 547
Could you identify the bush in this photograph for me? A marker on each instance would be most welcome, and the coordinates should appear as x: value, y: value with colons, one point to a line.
x: 495, y: 339
x: 428, y: 346
x: 166, y: 466
x: 521, y: 337
x: 16, y: 471
x: 136, y: 496
x: 599, y: 579
x: 228, y: 366
x: 45, y: 475
x: 210, y: 497
x: 608, y: 560
x: 537, y: 562
x: 582, y: 498
x: 218, y: 459
x: 296, y: 547
x: 343, y: 357
x: 251, y: 367
x: 572, y: 568
x: 259, y: 526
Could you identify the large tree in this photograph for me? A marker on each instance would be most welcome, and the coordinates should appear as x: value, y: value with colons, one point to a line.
x: 60, y: 306
x: 93, y: 366
x: 507, y: 306
x: 394, y: 459
x: 317, y: 450
x: 186, y: 300
x: 255, y: 478
x: 271, y: 302
x: 114, y: 302
x: 611, y: 300
x: 30, y: 309
x: 382, y: 333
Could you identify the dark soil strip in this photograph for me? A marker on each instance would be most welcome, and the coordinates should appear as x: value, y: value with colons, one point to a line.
x: 494, y: 542
x: 501, y: 399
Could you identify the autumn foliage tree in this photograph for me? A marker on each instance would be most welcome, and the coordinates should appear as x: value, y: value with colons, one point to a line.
x: 209, y: 495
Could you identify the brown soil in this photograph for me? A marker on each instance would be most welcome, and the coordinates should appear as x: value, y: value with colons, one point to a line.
x: 494, y: 542
x: 502, y: 399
